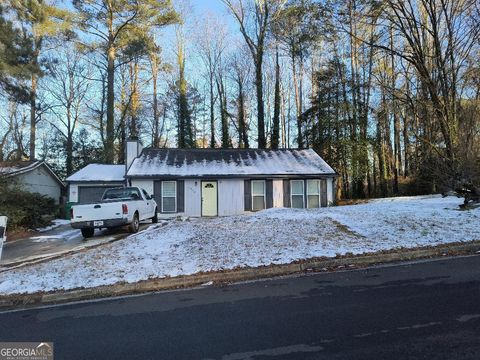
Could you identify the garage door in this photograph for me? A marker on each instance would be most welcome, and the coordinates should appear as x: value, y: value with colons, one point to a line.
x: 90, y: 194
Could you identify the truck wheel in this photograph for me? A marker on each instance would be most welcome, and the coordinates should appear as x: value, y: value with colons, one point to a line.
x: 155, y: 217
x: 135, y: 225
x: 88, y: 232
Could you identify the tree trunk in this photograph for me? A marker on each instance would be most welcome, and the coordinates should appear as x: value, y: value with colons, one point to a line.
x: 397, y: 156
x: 262, y: 142
x: 69, y: 150
x: 33, y: 116
x: 276, y: 111
x: 212, y: 114
x: 134, y: 107
x: 406, y: 145
x: 226, y: 141
x: 242, y: 124
x: 156, y: 118
x: 110, y: 136
x: 298, y: 103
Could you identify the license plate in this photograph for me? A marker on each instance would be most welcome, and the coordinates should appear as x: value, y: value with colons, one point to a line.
x: 97, y: 223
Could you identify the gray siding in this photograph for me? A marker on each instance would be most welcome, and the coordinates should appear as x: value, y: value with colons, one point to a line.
x: 41, y: 181
x: 230, y: 196
x: 193, y: 197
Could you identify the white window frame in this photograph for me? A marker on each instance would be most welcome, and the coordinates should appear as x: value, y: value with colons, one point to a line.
x: 175, y: 197
x: 264, y: 194
x: 292, y: 194
x: 318, y: 195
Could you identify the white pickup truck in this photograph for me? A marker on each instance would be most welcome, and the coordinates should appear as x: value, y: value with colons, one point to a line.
x: 118, y: 207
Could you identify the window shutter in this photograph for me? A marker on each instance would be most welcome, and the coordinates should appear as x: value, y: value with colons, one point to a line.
x: 323, y: 193
x: 286, y: 193
x: 305, y: 201
x: 247, y: 192
x: 269, y: 194
x: 180, y: 196
x: 157, y: 194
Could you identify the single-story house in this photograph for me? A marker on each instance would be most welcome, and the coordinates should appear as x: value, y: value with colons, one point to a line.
x: 89, y: 184
x: 220, y: 182
x: 34, y: 176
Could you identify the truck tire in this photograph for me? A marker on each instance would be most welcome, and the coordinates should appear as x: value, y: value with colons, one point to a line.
x: 135, y: 225
x: 88, y: 232
x: 155, y: 217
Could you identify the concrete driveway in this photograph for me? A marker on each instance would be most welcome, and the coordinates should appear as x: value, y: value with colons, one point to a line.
x: 61, y: 240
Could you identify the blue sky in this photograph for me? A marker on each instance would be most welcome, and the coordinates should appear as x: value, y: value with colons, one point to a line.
x: 209, y: 5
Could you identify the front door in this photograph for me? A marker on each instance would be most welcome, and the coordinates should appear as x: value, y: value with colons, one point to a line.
x: 209, y: 198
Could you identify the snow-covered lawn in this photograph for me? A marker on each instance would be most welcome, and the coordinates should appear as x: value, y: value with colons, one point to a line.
x: 274, y: 236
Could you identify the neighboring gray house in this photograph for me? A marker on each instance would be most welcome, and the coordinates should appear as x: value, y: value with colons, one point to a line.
x: 34, y: 176
x: 220, y: 182
x: 89, y: 184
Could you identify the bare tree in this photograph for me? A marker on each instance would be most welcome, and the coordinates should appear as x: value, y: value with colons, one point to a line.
x: 241, y: 72
x: 439, y: 38
x: 211, y: 43
x: 68, y: 88
x: 254, y: 18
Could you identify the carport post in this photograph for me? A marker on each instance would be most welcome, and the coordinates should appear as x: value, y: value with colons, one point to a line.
x: 3, y: 232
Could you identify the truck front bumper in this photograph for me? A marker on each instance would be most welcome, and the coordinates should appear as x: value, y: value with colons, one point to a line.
x: 110, y: 223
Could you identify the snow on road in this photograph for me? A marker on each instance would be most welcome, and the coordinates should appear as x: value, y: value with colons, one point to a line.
x: 55, y: 224
x: 274, y: 236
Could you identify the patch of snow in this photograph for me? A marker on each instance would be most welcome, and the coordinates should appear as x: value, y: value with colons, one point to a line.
x: 8, y: 168
x: 39, y: 239
x: 177, y: 162
x: 274, y: 236
x: 55, y: 224
x: 64, y: 235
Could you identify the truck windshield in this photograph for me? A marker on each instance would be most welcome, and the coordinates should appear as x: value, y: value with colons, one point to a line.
x: 122, y: 194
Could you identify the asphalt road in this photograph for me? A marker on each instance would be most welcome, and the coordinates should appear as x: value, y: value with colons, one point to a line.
x: 428, y: 310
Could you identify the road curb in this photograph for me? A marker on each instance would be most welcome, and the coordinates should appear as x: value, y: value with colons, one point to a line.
x: 238, y: 275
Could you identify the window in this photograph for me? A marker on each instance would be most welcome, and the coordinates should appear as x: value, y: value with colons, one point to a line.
x: 169, y: 196
x: 147, y: 197
x: 122, y: 194
x: 313, y: 193
x: 258, y: 195
x: 297, y: 193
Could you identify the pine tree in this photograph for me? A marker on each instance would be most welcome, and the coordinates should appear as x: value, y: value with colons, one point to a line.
x: 16, y: 51
x: 40, y: 21
x: 113, y: 24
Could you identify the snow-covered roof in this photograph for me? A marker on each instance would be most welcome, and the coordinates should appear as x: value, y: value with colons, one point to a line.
x: 99, y: 172
x: 14, y: 168
x: 228, y: 163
